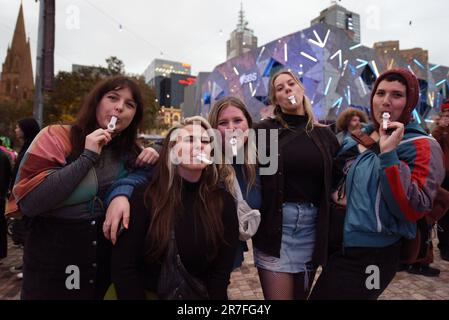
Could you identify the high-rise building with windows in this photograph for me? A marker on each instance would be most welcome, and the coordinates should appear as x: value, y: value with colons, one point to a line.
x: 164, y: 68
x: 167, y: 76
x: 242, y: 38
x: 340, y: 17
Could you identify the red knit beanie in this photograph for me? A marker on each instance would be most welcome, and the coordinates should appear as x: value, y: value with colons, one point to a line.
x: 412, y: 93
x: 445, y: 106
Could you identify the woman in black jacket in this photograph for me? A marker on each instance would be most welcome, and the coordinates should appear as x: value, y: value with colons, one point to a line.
x: 184, y: 205
x: 291, y: 241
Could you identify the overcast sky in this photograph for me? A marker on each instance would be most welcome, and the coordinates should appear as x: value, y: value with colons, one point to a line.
x: 195, y: 31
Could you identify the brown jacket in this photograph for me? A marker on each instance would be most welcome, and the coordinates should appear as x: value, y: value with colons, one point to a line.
x: 269, y: 235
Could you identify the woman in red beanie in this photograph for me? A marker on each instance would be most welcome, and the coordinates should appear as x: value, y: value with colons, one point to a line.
x: 391, y: 183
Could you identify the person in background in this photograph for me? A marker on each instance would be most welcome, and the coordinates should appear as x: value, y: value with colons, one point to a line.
x: 6, y: 147
x: 349, y: 120
x: 441, y: 134
x: 26, y: 130
x: 417, y: 254
x: 5, y: 177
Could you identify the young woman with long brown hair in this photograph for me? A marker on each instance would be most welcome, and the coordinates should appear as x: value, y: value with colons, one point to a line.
x: 187, y: 199
x: 62, y: 183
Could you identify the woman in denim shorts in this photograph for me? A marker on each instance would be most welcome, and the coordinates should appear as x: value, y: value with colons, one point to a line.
x: 292, y: 238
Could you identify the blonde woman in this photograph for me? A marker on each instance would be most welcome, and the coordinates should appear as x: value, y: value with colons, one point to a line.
x: 291, y: 241
x: 187, y: 200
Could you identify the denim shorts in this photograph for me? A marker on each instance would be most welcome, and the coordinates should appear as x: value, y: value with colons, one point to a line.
x: 298, y: 240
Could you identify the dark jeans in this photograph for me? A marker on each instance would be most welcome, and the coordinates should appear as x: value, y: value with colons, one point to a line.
x: 348, y: 272
x: 55, y: 244
x: 443, y: 223
x: 239, y: 257
x: 20, y: 230
x: 3, y: 231
x: 443, y: 233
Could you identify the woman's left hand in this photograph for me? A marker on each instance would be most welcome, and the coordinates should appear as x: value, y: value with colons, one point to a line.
x: 117, y: 216
x: 387, y: 142
x: 148, y: 156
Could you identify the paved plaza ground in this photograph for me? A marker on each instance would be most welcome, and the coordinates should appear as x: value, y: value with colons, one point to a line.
x: 245, y: 283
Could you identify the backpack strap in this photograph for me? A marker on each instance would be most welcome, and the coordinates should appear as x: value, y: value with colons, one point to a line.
x: 363, y: 138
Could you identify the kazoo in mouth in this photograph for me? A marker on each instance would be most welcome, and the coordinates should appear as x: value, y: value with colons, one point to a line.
x: 292, y: 99
x: 111, y: 124
x: 385, y: 118
x: 203, y: 158
x: 233, y: 143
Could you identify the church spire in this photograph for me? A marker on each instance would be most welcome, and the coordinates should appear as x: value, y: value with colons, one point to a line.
x: 19, y: 38
x: 16, y: 78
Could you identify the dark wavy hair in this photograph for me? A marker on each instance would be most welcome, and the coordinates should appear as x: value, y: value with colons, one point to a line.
x: 30, y: 129
x: 86, y: 120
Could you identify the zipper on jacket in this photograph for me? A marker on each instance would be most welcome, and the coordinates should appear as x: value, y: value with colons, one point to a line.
x: 377, y: 209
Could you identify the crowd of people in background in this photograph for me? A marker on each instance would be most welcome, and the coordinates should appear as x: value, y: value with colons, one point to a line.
x: 172, y: 223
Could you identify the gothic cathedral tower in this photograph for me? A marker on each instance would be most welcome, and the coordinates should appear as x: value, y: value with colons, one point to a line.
x: 16, y: 80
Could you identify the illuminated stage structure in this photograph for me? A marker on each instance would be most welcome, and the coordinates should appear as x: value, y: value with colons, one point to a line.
x: 336, y: 72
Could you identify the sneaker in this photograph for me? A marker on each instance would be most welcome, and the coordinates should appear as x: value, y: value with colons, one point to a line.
x: 19, y: 275
x: 424, y: 270
x: 16, y: 269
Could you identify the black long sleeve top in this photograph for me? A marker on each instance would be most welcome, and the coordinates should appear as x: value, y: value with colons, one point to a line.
x: 303, y: 165
x: 132, y: 275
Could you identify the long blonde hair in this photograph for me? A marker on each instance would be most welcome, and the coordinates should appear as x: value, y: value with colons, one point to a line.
x: 164, y: 194
x: 308, y: 109
x: 249, y: 170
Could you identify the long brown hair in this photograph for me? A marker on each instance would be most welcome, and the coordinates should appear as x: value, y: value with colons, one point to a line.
x: 312, y: 122
x: 249, y: 170
x: 86, y: 120
x: 164, y: 194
